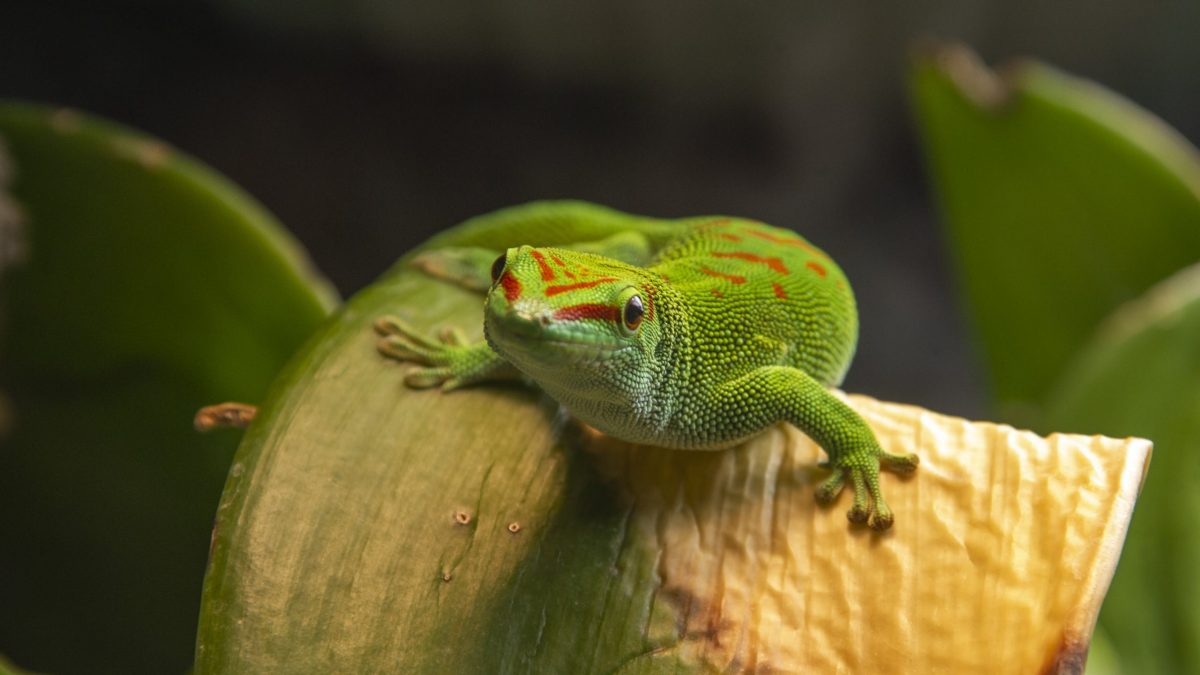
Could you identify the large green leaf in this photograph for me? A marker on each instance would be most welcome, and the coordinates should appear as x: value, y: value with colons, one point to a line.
x: 368, y: 527
x: 1141, y: 376
x: 148, y: 287
x: 1061, y: 201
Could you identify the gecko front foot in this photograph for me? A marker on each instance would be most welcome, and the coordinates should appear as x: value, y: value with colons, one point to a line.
x: 861, y: 468
x: 449, y: 362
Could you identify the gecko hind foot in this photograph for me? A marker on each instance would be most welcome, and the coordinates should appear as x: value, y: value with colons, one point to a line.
x: 862, y: 472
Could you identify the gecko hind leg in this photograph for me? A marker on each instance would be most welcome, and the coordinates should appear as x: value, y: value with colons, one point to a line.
x: 771, y: 393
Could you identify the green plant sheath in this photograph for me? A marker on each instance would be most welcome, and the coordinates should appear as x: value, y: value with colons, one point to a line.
x: 148, y: 287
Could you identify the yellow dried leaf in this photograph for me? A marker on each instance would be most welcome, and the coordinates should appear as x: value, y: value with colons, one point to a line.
x: 1003, y: 548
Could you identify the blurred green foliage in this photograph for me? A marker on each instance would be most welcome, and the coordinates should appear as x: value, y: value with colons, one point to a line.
x: 1140, y: 376
x: 140, y: 286
x: 1064, y: 205
x: 1061, y: 201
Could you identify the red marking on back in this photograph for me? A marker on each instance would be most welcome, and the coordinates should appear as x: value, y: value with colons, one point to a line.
x: 512, y: 287
x: 731, y: 278
x: 728, y: 237
x: 547, y: 273
x: 816, y: 267
x: 774, y: 263
x: 563, y: 288
x: 719, y: 222
x: 587, y: 311
x: 779, y: 292
x: 786, y: 240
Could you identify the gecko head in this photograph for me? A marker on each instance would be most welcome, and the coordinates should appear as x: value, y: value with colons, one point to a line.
x: 569, y: 317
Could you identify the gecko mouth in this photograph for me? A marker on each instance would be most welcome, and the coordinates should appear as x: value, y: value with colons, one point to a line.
x: 535, y: 339
x: 539, y: 346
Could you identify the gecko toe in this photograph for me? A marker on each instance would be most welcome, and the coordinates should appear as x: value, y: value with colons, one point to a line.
x: 901, y: 463
x: 831, y: 487
x: 428, y: 378
x: 858, y: 514
x: 880, y: 521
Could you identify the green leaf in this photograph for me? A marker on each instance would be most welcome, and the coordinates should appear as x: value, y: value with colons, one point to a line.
x: 354, y: 524
x: 1102, y: 656
x: 368, y: 527
x: 1141, y: 376
x: 145, y: 287
x: 1061, y: 200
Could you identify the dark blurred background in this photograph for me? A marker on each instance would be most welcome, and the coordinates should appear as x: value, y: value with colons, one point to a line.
x: 367, y: 126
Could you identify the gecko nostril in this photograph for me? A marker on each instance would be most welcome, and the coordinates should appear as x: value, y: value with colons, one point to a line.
x: 544, y: 318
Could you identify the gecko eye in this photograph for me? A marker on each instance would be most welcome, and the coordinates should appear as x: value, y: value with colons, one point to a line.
x: 631, y: 315
x: 498, y: 267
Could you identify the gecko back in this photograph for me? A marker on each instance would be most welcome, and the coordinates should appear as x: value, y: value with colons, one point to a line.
x: 768, y: 297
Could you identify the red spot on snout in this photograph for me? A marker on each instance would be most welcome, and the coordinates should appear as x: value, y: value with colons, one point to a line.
x: 512, y: 287
x: 779, y: 292
x: 563, y: 266
x: 547, y: 273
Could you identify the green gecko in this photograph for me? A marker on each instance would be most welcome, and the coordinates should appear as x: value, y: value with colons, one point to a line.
x: 694, y: 334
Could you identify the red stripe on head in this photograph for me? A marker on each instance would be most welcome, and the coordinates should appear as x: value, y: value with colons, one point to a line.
x: 774, y: 263
x: 588, y: 311
x: 563, y: 288
x: 731, y: 278
x: 512, y: 287
x: 547, y: 273
x: 816, y: 267
x: 779, y: 292
x: 728, y: 237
